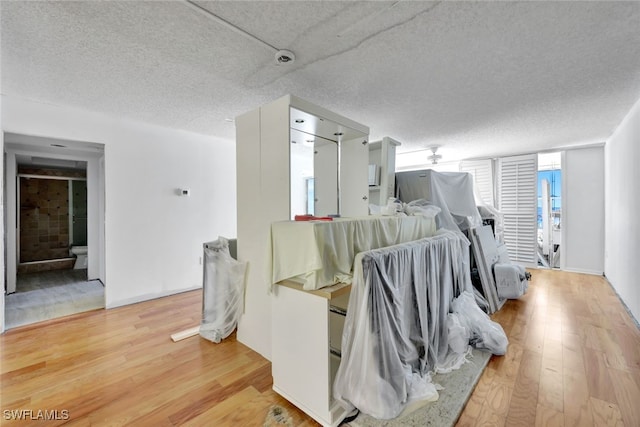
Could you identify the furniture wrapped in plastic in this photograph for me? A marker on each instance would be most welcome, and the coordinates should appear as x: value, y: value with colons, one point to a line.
x: 397, y: 325
x: 321, y: 253
x: 223, y: 291
x: 484, y: 333
x: 452, y: 192
x: 511, y: 280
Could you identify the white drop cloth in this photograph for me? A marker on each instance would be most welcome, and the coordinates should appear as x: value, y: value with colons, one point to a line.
x: 321, y: 253
x: 452, y: 192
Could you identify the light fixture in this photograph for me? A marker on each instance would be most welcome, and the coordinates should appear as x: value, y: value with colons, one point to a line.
x: 284, y: 56
x: 434, y: 157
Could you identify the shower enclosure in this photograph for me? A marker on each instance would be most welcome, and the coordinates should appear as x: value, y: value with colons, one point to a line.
x: 52, y: 217
x: 78, y: 213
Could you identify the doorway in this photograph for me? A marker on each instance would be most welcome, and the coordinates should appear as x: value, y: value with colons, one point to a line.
x: 53, y: 227
x: 549, y: 209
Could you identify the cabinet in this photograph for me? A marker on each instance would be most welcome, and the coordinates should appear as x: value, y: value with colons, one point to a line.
x: 382, y: 159
x: 307, y: 334
x: 272, y: 186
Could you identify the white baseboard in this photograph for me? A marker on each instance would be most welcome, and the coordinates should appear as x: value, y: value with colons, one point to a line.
x: 147, y: 297
x: 579, y: 270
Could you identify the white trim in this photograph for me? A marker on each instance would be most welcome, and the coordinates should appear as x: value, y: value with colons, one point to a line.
x: 578, y: 270
x: 36, y: 176
x: 11, y: 208
x: 147, y: 297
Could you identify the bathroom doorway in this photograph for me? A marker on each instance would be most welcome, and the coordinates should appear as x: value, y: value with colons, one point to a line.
x: 54, y: 249
x: 52, y: 218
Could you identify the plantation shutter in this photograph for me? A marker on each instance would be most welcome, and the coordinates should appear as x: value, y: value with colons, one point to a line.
x: 482, y: 171
x: 517, y: 195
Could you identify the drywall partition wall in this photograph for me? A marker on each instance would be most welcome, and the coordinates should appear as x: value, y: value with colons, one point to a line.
x: 263, y: 183
x: 622, y: 205
x: 582, y: 247
x: 153, y: 236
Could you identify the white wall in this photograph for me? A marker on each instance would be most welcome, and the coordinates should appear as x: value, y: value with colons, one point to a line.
x: 2, y: 290
x: 622, y: 205
x: 1, y: 224
x: 582, y: 248
x: 153, y: 237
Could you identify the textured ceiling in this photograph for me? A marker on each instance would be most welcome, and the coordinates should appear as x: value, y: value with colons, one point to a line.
x: 477, y: 78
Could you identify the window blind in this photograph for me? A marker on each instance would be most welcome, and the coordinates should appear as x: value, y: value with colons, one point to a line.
x: 517, y: 195
x: 482, y: 171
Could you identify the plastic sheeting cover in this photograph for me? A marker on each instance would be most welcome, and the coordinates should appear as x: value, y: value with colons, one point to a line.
x: 485, y: 333
x: 452, y: 192
x: 396, y: 330
x: 223, y: 289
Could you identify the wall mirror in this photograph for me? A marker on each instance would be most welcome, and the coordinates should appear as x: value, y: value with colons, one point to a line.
x: 315, y: 157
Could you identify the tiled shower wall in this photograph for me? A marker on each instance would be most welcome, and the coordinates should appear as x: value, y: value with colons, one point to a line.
x: 44, y: 219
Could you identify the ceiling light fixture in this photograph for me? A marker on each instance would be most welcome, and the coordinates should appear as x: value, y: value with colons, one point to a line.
x: 434, y: 157
x: 284, y: 56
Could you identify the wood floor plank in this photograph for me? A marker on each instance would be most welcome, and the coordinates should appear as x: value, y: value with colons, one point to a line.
x: 606, y: 413
x: 523, y: 407
x: 575, y: 395
x: 548, y: 417
x: 598, y: 378
x: 489, y: 418
x: 626, y: 388
x: 573, y: 359
x: 499, y: 399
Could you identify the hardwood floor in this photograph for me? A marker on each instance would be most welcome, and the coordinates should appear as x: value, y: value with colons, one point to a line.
x: 573, y: 360
x: 119, y: 367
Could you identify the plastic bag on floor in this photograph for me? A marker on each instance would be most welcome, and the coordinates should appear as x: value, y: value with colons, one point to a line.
x: 223, y: 289
x: 485, y: 333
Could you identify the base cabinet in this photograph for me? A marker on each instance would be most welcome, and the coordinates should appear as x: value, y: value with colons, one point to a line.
x: 304, y: 358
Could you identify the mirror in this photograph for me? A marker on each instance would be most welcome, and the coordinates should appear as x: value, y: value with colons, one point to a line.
x: 315, y: 154
x: 313, y: 175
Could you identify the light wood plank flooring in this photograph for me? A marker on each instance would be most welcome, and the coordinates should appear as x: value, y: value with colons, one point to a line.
x: 573, y: 359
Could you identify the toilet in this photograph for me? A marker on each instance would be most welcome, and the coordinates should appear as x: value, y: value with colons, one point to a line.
x: 80, y: 253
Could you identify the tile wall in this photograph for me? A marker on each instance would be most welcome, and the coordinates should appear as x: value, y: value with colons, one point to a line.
x: 44, y: 218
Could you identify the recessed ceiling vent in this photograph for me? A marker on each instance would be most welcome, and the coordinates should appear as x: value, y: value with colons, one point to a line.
x: 285, y: 57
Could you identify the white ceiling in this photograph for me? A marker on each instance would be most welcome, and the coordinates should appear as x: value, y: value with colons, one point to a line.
x: 477, y: 78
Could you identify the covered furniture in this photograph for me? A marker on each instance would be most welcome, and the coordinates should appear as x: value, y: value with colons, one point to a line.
x: 452, y: 192
x: 321, y: 253
x: 395, y: 332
